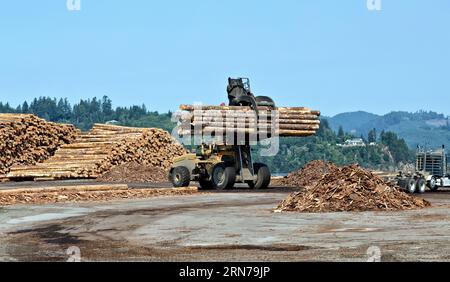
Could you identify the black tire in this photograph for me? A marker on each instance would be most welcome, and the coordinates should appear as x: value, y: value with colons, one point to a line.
x: 223, y: 176
x: 264, y: 101
x: 421, y: 185
x: 432, y: 184
x: 180, y: 176
x: 262, y: 176
x: 205, y: 184
x: 411, y: 185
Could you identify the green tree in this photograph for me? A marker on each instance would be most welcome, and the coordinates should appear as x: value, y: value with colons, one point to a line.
x: 372, y: 136
x: 397, y: 146
x: 25, y: 107
x: 341, y: 134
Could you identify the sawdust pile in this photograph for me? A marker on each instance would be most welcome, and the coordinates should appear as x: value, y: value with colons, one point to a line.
x: 348, y: 188
x: 134, y: 172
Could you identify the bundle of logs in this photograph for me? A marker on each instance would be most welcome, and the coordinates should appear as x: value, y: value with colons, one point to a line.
x: 26, y: 139
x: 221, y: 120
x: 102, y: 148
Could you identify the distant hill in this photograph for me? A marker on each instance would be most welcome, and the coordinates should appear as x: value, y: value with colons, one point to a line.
x: 353, y: 121
x: 421, y: 128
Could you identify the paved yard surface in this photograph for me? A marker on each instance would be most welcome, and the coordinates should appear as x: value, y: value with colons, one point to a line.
x: 231, y: 226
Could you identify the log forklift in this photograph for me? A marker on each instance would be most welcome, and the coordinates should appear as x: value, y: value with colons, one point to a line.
x: 217, y: 166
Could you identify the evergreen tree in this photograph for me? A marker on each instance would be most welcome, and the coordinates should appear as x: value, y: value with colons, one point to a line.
x: 372, y: 137
x: 25, y: 107
x: 341, y: 134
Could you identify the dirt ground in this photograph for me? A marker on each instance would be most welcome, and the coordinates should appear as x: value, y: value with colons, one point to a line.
x: 236, y: 225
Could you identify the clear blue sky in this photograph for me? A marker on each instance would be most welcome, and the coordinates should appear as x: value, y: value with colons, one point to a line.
x: 334, y: 56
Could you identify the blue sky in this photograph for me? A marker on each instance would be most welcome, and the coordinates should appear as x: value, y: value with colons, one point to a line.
x: 335, y: 56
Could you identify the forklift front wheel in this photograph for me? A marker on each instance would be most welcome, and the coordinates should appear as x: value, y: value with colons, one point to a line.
x: 180, y: 176
x: 223, y: 176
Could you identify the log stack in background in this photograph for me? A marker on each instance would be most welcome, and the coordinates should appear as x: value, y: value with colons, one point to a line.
x: 289, y: 121
x: 102, y: 148
x: 26, y: 139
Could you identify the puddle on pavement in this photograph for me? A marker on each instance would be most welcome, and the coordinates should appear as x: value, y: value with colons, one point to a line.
x: 41, y: 217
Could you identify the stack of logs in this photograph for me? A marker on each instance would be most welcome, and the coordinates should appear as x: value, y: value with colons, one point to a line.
x: 281, y: 121
x: 102, y: 148
x: 26, y: 139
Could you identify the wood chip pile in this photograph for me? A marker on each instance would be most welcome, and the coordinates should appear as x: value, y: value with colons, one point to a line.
x: 26, y: 139
x: 99, y: 150
x: 309, y: 175
x: 350, y: 188
x: 134, y: 172
x: 216, y: 120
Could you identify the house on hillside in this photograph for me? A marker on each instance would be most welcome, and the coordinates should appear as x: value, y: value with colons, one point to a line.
x: 355, y: 142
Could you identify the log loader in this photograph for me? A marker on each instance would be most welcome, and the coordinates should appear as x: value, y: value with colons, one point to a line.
x: 217, y: 166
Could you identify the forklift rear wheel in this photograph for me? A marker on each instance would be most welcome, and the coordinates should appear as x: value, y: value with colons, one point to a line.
x: 180, y: 176
x: 421, y: 184
x: 262, y: 177
x: 411, y: 185
x: 223, y: 176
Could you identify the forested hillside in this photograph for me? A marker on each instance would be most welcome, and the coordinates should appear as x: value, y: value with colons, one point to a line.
x: 422, y: 128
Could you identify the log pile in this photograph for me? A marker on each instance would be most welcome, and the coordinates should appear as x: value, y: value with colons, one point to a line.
x: 103, y: 147
x: 218, y: 120
x: 26, y: 139
x: 350, y: 188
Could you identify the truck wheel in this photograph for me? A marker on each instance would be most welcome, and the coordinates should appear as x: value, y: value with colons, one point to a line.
x: 180, y: 176
x: 262, y: 176
x: 205, y: 184
x: 421, y: 184
x: 223, y: 176
x: 432, y: 184
x: 411, y: 185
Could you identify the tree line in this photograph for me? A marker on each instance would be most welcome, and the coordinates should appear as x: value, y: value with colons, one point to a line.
x: 87, y: 112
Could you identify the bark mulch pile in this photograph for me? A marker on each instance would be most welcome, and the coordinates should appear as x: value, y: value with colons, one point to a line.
x: 134, y: 172
x: 348, y: 188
